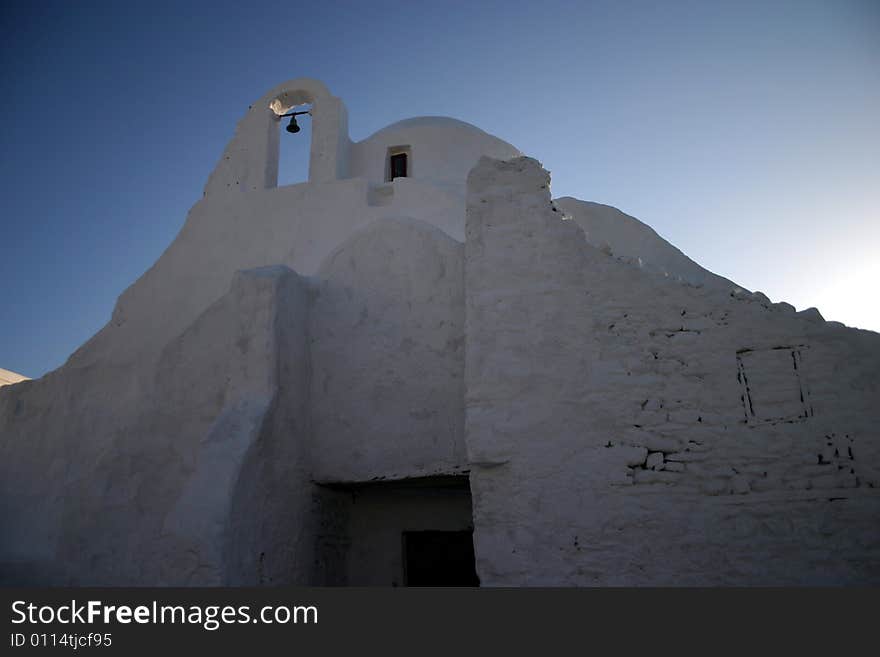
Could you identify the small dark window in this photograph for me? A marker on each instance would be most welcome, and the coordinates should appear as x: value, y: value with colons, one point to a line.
x: 398, y: 166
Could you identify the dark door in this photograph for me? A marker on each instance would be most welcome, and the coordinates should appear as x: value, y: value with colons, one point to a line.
x: 437, y: 558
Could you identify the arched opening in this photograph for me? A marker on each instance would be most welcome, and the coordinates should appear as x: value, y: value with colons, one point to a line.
x: 294, y: 149
x: 321, y: 147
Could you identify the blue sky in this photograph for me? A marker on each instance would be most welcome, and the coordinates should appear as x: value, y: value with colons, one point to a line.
x: 744, y: 132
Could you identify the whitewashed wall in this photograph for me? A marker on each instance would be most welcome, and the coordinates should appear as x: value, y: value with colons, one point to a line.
x: 387, y: 356
x: 621, y: 424
x: 441, y: 151
x: 625, y: 428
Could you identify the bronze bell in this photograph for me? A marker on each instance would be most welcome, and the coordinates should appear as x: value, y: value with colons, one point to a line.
x: 292, y: 127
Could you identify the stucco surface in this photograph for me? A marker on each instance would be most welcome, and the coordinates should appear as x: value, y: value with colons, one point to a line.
x: 442, y: 151
x: 632, y: 241
x: 250, y: 161
x: 387, y: 349
x: 108, y: 484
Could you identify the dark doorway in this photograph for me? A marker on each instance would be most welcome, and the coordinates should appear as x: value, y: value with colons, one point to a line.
x: 438, y: 558
x: 404, y: 532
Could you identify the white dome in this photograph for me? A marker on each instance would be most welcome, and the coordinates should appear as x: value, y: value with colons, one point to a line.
x: 440, y: 149
x: 445, y: 122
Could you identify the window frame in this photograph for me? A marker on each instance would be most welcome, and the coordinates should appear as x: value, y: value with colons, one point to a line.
x: 396, y: 152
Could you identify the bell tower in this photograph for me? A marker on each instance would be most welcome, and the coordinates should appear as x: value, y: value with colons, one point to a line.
x: 250, y: 161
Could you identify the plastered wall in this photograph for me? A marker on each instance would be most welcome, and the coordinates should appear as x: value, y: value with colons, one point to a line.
x: 387, y: 355
x: 107, y: 478
x: 441, y: 151
x: 626, y: 417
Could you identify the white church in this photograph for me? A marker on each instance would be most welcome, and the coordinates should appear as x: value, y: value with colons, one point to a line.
x: 418, y: 368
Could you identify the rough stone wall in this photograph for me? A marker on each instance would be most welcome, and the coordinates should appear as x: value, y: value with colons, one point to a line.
x: 387, y: 355
x: 625, y: 428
